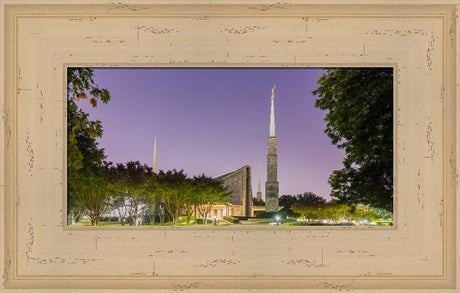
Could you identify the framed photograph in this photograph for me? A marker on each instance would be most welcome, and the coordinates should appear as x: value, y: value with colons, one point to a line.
x: 40, y: 249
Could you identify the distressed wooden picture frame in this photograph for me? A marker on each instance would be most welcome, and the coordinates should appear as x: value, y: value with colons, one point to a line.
x: 39, y: 251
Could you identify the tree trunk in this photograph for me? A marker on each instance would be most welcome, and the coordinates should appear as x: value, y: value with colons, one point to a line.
x: 94, y: 221
x: 194, y: 221
x: 69, y: 219
x: 77, y: 218
x: 133, y: 221
x: 176, y: 218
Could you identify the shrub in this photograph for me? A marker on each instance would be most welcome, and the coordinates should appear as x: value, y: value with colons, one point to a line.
x: 296, y: 224
x: 315, y: 224
x: 231, y: 219
x: 263, y: 214
x: 384, y: 223
x: 200, y: 221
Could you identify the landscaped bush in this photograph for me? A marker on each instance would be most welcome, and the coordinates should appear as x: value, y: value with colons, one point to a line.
x: 230, y: 219
x: 263, y: 214
x: 315, y: 224
x: 200, y: 222
x: 384, y: 223
x: 109, y: 219
x: 297, y: 224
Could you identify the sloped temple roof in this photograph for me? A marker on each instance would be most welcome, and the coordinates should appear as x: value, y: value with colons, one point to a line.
x: 222, y: 176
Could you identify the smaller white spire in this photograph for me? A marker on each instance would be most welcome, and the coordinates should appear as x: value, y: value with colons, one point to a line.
x: 155, y: 162
x: 258, y: 182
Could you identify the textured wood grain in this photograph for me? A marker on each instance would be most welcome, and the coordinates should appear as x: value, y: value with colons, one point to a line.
x: 40, y: 251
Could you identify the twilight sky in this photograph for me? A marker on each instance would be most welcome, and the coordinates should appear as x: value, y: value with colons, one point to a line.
x: 213, y: 121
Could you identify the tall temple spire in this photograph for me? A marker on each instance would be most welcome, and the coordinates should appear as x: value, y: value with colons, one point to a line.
x: 272, y: 185
x: 155, y: 162
x: 272, y: 114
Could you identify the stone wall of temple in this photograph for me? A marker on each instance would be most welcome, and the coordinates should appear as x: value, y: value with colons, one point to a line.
x: 272, y: 185
x: 239, y: 184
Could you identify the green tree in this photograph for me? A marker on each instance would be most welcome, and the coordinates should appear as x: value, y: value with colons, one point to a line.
x: 306, y: 211
x: 359, y: 104
x: 306, y: 198
x: 363, y: 212
x: 310, y: 198
x: 256, y: 202
x: 173, y: 188
x: 190, y: 204
x: 84, y: 157
x: 382, y: 214
x: 118, y: 203
x: 80, y: 84
x: 93, y: 195
x: 133, y: 186
x: 336, y: 212
x: 303, y: 199
x: 287, y: 200
x: 209, y: 192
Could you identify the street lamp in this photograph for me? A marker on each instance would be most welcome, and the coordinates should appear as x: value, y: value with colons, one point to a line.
x: 277, y: 218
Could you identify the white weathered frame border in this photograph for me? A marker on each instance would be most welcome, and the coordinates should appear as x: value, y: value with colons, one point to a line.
x: 39, y: 251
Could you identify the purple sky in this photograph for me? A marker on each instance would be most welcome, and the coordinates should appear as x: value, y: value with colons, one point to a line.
x: 213, y: 121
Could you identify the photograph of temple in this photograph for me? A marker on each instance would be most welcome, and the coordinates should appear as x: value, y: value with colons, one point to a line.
x: 213, y: 126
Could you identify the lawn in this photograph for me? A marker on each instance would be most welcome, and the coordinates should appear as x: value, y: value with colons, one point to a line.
x: 87, y: 222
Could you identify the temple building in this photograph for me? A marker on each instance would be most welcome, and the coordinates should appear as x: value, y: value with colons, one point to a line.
x: 239, y: 184
x: 239, y: 181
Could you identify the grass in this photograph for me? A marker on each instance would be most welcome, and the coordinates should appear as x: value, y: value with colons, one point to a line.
x: 87, y: 222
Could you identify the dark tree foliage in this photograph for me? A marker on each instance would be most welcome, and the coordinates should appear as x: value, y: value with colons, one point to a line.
x: 80, y: 84
x: 288, y: 201
x: 359, y: 105
x: 132, y: 175
x: 132, y: 188
x: 84, y: 158
x: 306, y: 198
x: 256, y: 202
